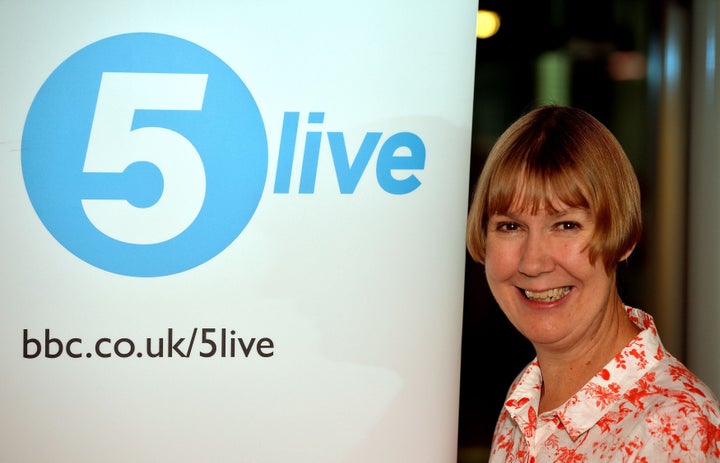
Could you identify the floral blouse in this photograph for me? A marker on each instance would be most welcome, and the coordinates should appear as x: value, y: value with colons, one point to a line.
x: 644, y: 406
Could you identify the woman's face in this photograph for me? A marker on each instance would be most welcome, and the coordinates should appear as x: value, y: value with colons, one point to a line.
x: 538, y: 270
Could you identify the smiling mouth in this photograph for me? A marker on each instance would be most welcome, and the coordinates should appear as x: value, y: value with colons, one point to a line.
x: 547, y: 296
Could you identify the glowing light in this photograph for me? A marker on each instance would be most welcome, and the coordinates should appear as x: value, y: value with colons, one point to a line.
x: 488, y: 23
x: 632, y: 65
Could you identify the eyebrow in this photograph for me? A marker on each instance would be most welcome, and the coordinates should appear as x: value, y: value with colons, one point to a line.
x: 554, y: 214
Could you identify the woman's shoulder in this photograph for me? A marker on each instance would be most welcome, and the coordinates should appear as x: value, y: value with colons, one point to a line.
x: 676, y: 413
x: 671, y: 389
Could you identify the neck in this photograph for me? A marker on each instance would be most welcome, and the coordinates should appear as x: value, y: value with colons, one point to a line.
x: 566, y: 371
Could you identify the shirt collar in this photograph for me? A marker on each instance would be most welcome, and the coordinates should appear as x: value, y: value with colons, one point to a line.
x: 587, y: 407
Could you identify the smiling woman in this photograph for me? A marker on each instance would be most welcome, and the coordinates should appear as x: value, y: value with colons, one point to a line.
x: 556, y: 208
x: 561, y: 154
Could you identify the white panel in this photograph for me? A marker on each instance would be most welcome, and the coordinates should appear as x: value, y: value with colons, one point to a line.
x: 344, y: 308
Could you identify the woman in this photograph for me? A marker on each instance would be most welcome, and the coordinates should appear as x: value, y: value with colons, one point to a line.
x: 555, y: 210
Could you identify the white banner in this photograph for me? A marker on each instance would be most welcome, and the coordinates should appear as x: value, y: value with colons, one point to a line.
x: 233, y: 230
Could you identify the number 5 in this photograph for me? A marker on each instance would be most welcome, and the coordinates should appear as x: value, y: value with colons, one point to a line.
x: 113, y: 146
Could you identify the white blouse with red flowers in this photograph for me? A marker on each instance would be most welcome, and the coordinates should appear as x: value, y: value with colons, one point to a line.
x: 644, y: 406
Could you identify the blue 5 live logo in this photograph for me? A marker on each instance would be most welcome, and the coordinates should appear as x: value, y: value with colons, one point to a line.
x: 146, y: 155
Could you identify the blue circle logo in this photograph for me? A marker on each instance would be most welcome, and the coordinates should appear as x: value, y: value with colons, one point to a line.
x: 144, y: 154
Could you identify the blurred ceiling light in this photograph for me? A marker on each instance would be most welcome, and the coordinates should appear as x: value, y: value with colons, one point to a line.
x: 488, y: 23
x: 627, y: 65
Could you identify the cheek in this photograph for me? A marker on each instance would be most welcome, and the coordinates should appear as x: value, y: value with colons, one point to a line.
x: 578, y: 259
x: 500, y: 263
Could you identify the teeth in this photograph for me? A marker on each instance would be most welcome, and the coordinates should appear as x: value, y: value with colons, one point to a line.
x: 547, y: 296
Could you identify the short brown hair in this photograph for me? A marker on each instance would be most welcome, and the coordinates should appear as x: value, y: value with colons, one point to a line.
x: 560, y: 153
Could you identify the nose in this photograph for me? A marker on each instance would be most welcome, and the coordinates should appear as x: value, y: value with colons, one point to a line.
x: 536, y: 257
